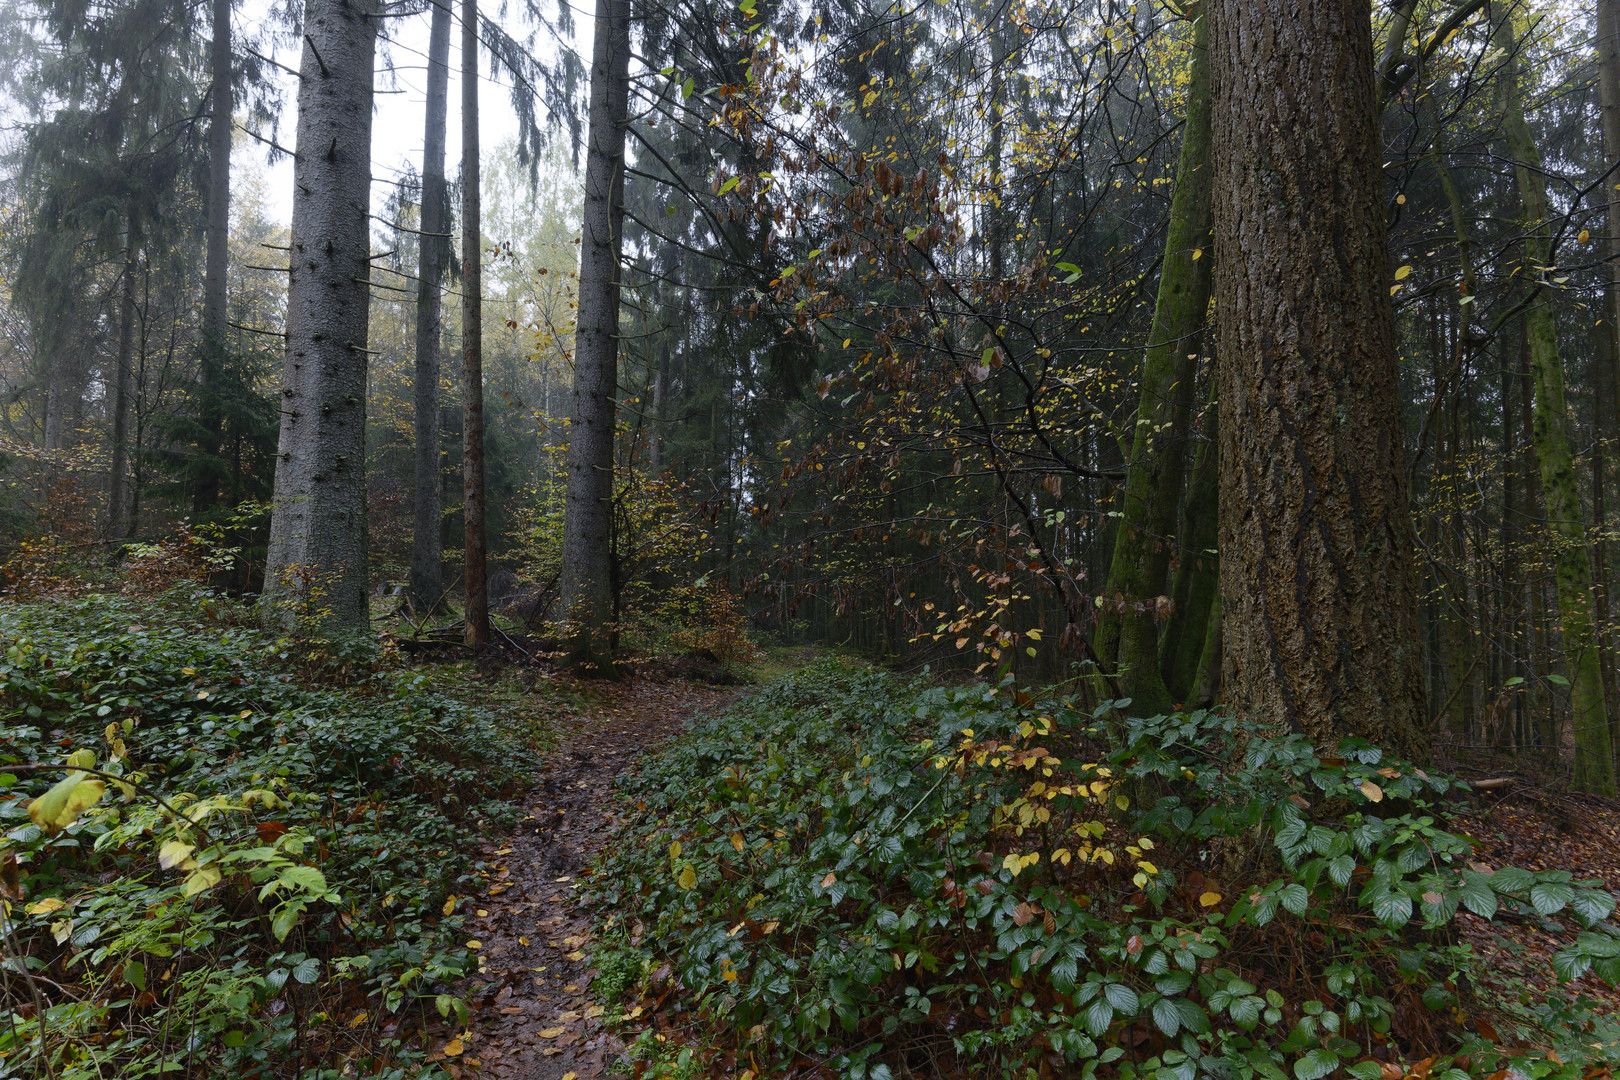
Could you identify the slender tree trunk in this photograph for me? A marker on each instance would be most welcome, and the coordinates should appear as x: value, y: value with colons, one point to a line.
x: 472, y: 339
x: 1153, y: 480
x: 427, y: 548
x: 1198, y: 577
x: 1318, y: 586
x: 205, y: 494
x: 117, y: 487
x: 1608, y: 28
x: 315, y: 570
x: 1594, y: 766
x: 586, y: 579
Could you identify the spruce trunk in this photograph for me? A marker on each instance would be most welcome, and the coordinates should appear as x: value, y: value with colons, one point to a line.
x: 315, y: 569
x: 587, y: 587
x: 427, y: 548
x: 117, y: 480
x: 1318, y: 589
x: 472, y: 340
x: 1572, y: 566
x: 205, y: 492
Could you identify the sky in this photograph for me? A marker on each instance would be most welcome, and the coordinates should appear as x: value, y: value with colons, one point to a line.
x: 400, y: 103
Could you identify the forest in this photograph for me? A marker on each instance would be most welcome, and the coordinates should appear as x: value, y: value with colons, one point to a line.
x: 809, y: 538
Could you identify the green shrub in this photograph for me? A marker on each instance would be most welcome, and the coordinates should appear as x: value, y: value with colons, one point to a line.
x: 889, y: 876
x: 265, y: 880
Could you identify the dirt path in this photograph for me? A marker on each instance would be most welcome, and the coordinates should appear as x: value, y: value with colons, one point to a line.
x: 533, y: 1014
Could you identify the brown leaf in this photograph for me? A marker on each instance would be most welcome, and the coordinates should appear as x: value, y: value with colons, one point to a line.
x: 1022, y: 914
x: 1133, y: 944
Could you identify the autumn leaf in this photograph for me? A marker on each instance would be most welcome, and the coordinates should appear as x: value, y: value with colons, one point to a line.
x: 737, y: 842
x: 688, y: 878
x: 828, y: 881
x: 551, y: 1033
x: 1373, y: 792
x: 453, y: 1048
x: 1210, y: 899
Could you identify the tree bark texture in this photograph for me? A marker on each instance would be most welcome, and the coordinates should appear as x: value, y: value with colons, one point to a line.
x: 1608, y: 31
x: 1318, y: 589
x: 427, y: 548
x: 315, y: 572
x: 117, y: 480
x: 472, y: 340
x: 588, y: 508
x: 1154, y: 478
x: 206, y: 492
x: 1198, y: 577
x: 1549, y: 434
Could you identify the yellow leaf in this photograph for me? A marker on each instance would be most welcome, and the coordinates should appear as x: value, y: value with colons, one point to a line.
x: 570, y: 1076
x: 1402, y: 273
x: 482, y: 914
x: 1400, y: 200
x: 576, y: 955
x: 1123, y: 802
x: 688, y: 878
x: 737, y: 841
x: 1198, y: 253
x: 450, y: 905
x: 551, y: 1033
x: 453, y: 1048
x: 173, y: 853
x: 1373, y: 792
x: 475, y: 944
x: 201, y: 880
x: 45, y: 906
x: 1584, y: 237
x: 359, y: 1018
x: 1210, y: 899
x: 675, y: 850
x: 593, y: 1011
x: 522, y: 940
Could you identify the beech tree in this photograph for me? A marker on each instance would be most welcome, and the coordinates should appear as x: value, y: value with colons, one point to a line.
x: 1318, y: 587
x: 316, y: 564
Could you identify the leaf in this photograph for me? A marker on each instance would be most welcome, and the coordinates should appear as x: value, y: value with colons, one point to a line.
x: 135, y: 974
x: 1476, y: 894
x: 828, y: 881
x: 737, y: 842
x: 1548, y: 897
x: 1402, y: 273
x: 453, y: 1048
x: 1294, y: 898
x: 1584, y: 236
x: 65, y: 801
x: 1209, y: 899
x: 1166, y: 1017
x: 552, y: 1032
x: 450, y: 905
x: 200, y: 880
x: 1373, y: 792
x: 307, y: 971
x: 1099, y: 1015
x: 1592, y: 906
x: 1122, y: 998
x: 285, y: 918
x: 1197, y: 253
x: 688, y: 878
x: 173, y: 853
x: 729, y: 184
x: 45, y: 905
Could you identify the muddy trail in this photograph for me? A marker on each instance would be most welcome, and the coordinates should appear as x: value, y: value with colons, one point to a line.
x: 533, y: 1015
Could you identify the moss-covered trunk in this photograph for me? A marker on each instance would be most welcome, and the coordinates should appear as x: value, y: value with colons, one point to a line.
x: 1153, y: 479
x: 1594, y: 771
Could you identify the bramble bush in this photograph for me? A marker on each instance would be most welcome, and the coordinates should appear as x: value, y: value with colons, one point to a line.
x: 226, y: 852
x: 898, y: 879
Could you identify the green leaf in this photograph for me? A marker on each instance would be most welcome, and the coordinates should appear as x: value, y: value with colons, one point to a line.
x: 65, y: 801
x: 1316, y: 1064
x: 1570, y: 964
x: 1476, y: 894
x: 1392, y: 908
x: 233, y: 1038
x: 135, y: 974
x: 307, y: 971
x: 1099, y: 1015
x: 687, y: 88
x: 1166, y: 1017
x: 1548, y: 897
x: 1592, y: 906
x: 729, y: 184
x: 1366, y: 1070
x: 286, y: 916
x: 1295, y: 898
x: 1512, y: 879
x: 1122, y: 998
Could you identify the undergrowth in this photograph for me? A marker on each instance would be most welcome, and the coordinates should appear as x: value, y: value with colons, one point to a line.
x: 227, y: 852
x: 891, y: 879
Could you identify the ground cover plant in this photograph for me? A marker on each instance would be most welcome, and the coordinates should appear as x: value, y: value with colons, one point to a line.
x: 855, y: 874
x: 230, y: 853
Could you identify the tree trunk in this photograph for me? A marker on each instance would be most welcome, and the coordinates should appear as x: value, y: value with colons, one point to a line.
x: 1318, y: 587
x: 472, y: 340
x: 1197, y: 578
x: 205, y: 494
x: 117, y: 489
x: 1153, y: 480
x: 315, y: 570
x: 1608, y: 29
x: 427, y: 548
x: 1594, y: 768
x: 586, y: 581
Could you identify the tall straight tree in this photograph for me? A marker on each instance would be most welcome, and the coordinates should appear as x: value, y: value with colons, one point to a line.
x: 427, y: 541
x: 1318, y: 585
x: 316, y: 565
x: 218, y: 200
x: 472, y: 338
x: 1153, y: 480
x: 587, y: 588
x: 1549, y: 434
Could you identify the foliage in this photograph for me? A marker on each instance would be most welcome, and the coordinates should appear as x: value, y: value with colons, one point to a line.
x: 891, y: 876
x: 257, y: 872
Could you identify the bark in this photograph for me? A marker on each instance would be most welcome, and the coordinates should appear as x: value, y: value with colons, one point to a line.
x: 1608, y: 28
x: 1594, y: 767
x: 1198, y: 576
x: 587, y: 557
x: 1318, y: 587
x: 206, y: 493
x: 472, y: 340
x: 1153, y: 480
x: 315, y: 569
x: 427, y: 548
x: 117, y: 487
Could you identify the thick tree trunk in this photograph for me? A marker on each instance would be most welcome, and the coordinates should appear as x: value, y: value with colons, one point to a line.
x: 427, y: 549
x: 1608, y: 29
x: 1594, y: 767
x: 117, y: 480
x: 315, y: 572
x: 472, y: 340
x: 206, y: 492
x: 1318, y: 587
x: 587, y: 558
x: 1153, y: 481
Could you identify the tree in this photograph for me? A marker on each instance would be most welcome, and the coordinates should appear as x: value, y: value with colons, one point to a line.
x: 427, y: 548
x: 217, y: 229
x: 1594, y: 766
x: 472, y: 340
x: 316, y: 564
x: 1318, y: 584
x: 587, y: 587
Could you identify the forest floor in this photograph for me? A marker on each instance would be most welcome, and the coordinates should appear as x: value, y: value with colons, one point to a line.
x: 533, y: 1015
